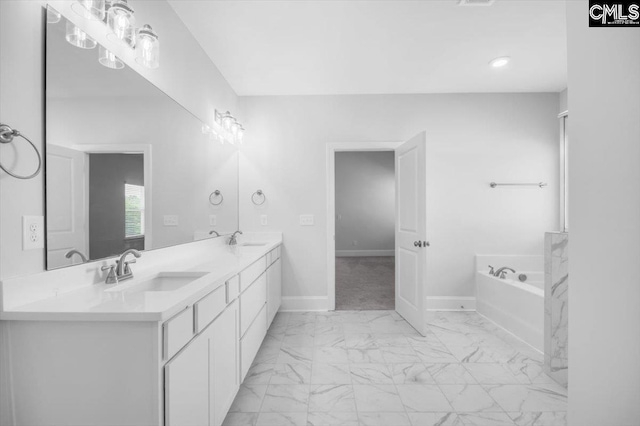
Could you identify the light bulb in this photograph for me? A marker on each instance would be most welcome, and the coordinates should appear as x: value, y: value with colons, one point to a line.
x: 121, y: 22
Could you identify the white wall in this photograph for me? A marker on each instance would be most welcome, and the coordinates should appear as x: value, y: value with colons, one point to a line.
x: 564, y: 101
x: 479, y: 137
x: 186, y: 73
x: 604, y: 206
x: 365, y: 203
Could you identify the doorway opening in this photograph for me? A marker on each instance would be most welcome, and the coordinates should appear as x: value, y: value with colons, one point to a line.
x: 361, y: 216
x: 365, y: 230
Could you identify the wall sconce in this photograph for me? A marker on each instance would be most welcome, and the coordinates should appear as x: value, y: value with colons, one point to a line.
x: 78, y: 38
x: 109, y: 60
x: 90, y: 9
x: 225, y: 128
x: 121, y: 22
x: 147, y: 47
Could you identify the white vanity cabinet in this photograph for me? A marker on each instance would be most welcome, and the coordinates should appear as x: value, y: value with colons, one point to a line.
x: 274, y: 284
x: 181, y: 371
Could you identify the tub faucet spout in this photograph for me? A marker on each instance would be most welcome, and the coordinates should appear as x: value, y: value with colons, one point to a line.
x: 502, y: 272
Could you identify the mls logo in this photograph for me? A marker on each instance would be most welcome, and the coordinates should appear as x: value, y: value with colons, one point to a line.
x: 614, y: 14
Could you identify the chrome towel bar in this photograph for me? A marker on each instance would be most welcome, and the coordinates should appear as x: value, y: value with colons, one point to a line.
x: 539, y: 184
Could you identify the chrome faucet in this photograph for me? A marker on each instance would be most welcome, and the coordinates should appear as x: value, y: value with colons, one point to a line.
x: 71, y: 252
x: 214, y: 232
x: 121, y: 271
x: 502, y: 272
x: 233, y: 239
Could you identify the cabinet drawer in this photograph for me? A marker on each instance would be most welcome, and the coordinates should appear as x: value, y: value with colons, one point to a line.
x: 177, y: 332
x: 252, y: 272
x: 233, y: 288
x: 250, y: 343
x: 252, y: 301
x: 209, y: 307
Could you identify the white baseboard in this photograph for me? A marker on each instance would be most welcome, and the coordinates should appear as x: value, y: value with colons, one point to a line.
x: 304, y: 303
x: 451, y: 303
x: 364, y: 253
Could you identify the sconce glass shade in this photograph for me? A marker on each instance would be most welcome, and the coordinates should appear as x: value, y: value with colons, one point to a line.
x: 240, y: 134
x: 234, y: 128
x: 90, y: 9
x: 78, y: 38
x: 121, y: 22
x: 109, y: 60
x: 227, y: 121
x: 53, y: 16
x: 147, y: 48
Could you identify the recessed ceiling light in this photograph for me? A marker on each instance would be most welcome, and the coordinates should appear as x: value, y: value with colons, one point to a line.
x: 500, y: 62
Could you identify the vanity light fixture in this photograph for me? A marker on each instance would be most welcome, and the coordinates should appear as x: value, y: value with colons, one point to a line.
x: 500, y: 62
x: 121, y: 22
x: 78, y: 38
x: 147, y: 47
x: 109, y: 60
x: 90, y: 9
x: 226, y: 128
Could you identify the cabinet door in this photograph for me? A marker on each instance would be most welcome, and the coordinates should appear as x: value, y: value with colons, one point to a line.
x: 274, y: 290
x: 224, y: 362
x: 187, y: 386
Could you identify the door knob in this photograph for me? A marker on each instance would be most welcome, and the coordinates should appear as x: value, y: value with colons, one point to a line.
x: 427, y: 244
x: 417, y: 243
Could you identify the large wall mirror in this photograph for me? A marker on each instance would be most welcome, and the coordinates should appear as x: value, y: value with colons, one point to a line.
x: 126, y: 165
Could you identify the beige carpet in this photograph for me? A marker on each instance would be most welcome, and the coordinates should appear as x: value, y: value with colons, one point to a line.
x: 365, y: 283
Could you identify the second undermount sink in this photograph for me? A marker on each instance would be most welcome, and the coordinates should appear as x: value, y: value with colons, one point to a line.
x: 162, y: 282
x: 253, y: 244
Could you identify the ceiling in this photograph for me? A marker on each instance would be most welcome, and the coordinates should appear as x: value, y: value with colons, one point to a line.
x: 299, y: 47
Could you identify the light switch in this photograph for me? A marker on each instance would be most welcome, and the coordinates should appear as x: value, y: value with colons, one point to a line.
x: 306, y: 220
x: 212, y: 220
x: 170, y: 220
x: 32, y: 232
x: 263, y: 220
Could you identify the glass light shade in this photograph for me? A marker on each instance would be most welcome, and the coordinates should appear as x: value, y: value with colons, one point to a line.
x: 147, y: 48
x: 227, y: 120
x: 90, y: 9
x: 121, y: 22
x: 217, y: 118
x: 234, y: 128
x: 79, y: 38
x: 206, y: 129
x: 109, y: 60
x: 240, y: 135
x: 53, y: 16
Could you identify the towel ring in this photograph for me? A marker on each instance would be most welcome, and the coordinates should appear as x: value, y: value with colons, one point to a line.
x: 216, y: 194
x: 259, y: 193
x: 6, y: 136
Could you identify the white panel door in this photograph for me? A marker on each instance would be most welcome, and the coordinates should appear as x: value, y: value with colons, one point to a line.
x: 67, y: 205
x: 411, y: 227
x: 186, y: 386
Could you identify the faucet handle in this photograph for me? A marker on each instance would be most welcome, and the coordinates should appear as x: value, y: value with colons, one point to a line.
x: 127, y: 269
x: 112, y: 277
x: 491, y: 270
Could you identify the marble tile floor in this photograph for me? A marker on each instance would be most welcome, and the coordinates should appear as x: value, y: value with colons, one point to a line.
x: 370, y: 368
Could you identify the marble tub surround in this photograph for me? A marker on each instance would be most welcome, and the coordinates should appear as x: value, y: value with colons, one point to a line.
x: 360, y: 368
x: 79, y: 292
x: 556, y: 305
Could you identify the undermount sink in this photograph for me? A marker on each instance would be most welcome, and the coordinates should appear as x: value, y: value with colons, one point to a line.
x: 164, y: 281
x: 256, y: 244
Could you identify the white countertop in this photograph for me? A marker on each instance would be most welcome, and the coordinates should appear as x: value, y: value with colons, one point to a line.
x: 100, y: 302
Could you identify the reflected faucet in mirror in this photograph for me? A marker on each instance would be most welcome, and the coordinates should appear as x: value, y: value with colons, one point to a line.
x: 71, y: 252
x: 214, y: 232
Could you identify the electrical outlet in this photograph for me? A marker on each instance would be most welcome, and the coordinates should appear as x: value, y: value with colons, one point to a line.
x: 212, y: 220
x: 306, y: 220
x: 32, y: 232
x: 263, y: 220
x: 170, y: 220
